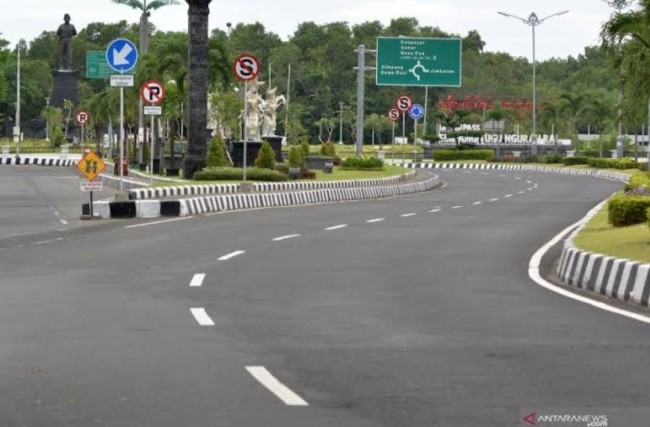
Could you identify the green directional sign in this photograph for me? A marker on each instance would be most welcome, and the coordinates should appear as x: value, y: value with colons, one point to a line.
x: 408, y: 61
x: 96, y: 65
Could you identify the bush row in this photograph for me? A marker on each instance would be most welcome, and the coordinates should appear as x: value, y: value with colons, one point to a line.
x: 362, y: 163
x: 447, y: 155
x: 237, y: 174
x: 612, y: 163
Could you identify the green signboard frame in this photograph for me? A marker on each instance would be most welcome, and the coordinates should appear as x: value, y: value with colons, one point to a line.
x: 409, y: 61
x: 96, y: 65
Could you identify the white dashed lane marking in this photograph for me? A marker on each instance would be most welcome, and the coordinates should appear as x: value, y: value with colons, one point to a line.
x: 230, y: 255
x: 477, y: 203
x: 435, y: 210
x: 197, y: 280
x: 63, y: 221
x: 521, y: 192
x: 201, y: 316
x: 493, y: 200
x: 336, y: 227
x: 408, y: 215
x: 457, y: 207
x: 374, y: 220
x: 272, y: 384
x: 508, y: 195
x: 288, y: 236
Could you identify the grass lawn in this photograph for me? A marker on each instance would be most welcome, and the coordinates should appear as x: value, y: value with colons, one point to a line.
x: 632, y: 242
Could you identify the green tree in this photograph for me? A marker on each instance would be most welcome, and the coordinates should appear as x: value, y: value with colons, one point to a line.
x: 265, y: 157
x: 216, y: 153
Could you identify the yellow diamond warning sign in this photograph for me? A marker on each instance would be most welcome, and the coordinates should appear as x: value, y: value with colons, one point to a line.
x: 91, y: 166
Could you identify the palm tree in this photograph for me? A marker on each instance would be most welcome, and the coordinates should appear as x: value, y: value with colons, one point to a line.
x: 144, y: 17
x: 551, y: 109
x: 572, y: 104
x: 599, y: 109
x: 498, y: 115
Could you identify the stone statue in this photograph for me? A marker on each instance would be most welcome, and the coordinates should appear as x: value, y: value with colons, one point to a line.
x: 253, y: 104
x: 269, y: 110
x: 66, y: 32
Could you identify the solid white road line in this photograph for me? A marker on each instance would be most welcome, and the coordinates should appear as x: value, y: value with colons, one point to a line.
x: 202, y: 317
x: 408, y: 215
x: 477, y: 203
x: 63, y: 221
x: 533, y: 273
x: 197, y: 280
x: 457, y: 207
x: 281, y: 391
x: 493, y: 200
x: 336, y: 227
x: 288, y: 236
x: 372, y: 221
x: 43, y: 242
x: 230, y: 255
x: 435, y: 210
x: 165, y: 221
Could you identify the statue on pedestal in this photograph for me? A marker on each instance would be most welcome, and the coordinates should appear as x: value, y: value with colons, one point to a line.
x: 269, y: 110
x: 253, y: 104
x: 66, y: 32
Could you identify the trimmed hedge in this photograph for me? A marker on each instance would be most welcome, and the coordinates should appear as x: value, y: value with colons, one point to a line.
x: 363, y: 163
x: 637, y: 179
x: 237, y: 174
x: 612, y: 163
x: 447, y: 155
x: 628, y: 210
x: 570, y: 161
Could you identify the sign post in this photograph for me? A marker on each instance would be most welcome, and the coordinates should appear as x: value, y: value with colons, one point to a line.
x: 405, y: 61
x: 82, y: 118
x: 393, y: 115
x: 90, y: 166
x: 121, y: 56
x: 152, y: 93
x: 403, y: 104
x: 416, y: 112
x: 246, y: 67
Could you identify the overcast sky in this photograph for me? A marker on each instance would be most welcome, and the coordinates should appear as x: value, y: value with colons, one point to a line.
x: 560, y: 36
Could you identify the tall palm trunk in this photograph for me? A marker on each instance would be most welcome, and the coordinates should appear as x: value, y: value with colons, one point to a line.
x: 198, y: 87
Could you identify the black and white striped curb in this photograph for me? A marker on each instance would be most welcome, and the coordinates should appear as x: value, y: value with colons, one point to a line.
x: 195, y: 190
x: 39, y: 161
x: 616, y: 176
x: 605, y: 275
x: 228, y: 202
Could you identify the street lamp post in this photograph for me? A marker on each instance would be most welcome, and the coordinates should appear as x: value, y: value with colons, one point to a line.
x: 533, y: 21
x: 47, y: 119
x: 340, y: 123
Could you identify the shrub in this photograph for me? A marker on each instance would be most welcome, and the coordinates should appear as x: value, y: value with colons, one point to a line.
x: 628, y: 210
x: 216, y: 153
x: 265, y: 157
x: 552, y: 158
x: 447, y: 155
x: 282, y: 167
x: 570, y: 161
x: 296, y: 159
x: 362, y: 163
x: 307, y: 174
x: 237, y: 174
x: 647, y: 214
x: 637, y: 179
x: 328, y: 149
x: 304, y: 146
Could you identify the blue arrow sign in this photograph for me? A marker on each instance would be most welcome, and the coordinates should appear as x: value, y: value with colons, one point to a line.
x: 122, y: 55
x: 416, y: 112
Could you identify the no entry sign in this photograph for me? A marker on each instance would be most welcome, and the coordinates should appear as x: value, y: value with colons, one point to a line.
x: 152, y: 92
x: 246, y: 67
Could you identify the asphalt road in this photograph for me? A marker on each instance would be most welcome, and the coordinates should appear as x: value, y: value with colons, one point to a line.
x: 413, y: 311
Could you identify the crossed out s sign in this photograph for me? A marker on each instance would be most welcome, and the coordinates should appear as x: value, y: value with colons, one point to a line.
x: 246, y: 67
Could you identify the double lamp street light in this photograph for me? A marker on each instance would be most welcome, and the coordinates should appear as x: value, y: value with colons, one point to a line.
x: 533, y: 21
